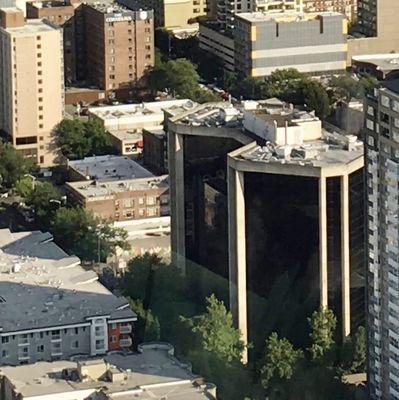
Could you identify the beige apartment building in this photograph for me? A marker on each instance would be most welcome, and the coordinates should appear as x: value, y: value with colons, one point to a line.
x: 347, y: 7
x: 31, y: 84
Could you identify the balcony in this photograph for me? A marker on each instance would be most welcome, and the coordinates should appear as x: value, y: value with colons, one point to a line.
x: 125, y: 342
x: 125, y: 329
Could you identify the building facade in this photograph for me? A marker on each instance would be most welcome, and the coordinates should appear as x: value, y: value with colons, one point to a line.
x: 382, y: 153
x: 31, y: 84
x: 311, y: 43
x: 60, y: 14
x: 119, y: 46
x: 247, y: 185
x: 130, y: 199
x: 346, y: 7
x: 69, y: 311
x: 177, y: 16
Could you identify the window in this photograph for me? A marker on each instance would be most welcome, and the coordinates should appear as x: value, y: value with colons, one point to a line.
x: 99, y: 344
x: 99, y: 331
x: 40, y: 126
x: 129, y: 31
x: 39, y: 46
x: 141, y: 200
x: 39, y: 73
x: 5, y: 353
x: 40, y: 90
x: 41, y: 109
x: 112, y: 77
x: 148, y: 56
x: 113, y: 326
x: 39, y: 55
x: 40, y: 116
x: 147, y: 30
x: 40, y: 99
x: 40, y: 348
x: 75, y: 344
x: 147, y: 47
x: 76, y: 331
x: 127, y: 203
x: 5, y: 339
x: 142, y: 212
x: 112, y: 339
x: 151, y: 212
x: 151, y: 200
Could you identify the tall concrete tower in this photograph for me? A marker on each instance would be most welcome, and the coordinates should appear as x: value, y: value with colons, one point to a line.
x: 382, y: 154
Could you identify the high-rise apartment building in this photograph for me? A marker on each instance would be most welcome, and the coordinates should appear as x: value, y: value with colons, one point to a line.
x: 60, y: 13
x: 262, y: 195
x: 382, y: 155
x: 31, y: 84
x: 119, y: 46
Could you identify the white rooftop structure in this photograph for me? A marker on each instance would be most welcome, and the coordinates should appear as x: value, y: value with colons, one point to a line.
x: 138, y: 116
x: 41, y: 286
x: 107, y: 168
x: 152, y: 373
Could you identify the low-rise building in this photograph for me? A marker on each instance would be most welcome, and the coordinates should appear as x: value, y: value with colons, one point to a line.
x: 106, y: 168
x: 126, y: 122
x: 152, y: 373
x: 121, y: 200
x: 51, y: 308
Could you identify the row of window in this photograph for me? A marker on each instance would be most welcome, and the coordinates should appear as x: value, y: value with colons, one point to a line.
x: 40, y: 335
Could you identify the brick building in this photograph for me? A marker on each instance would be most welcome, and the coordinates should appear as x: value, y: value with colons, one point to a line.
x: 119, y: 46
x: 155, y: 150
x: 121, y: 200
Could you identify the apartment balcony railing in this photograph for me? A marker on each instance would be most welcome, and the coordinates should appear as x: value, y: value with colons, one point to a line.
x: 125, y: 342
x: 125, y: 329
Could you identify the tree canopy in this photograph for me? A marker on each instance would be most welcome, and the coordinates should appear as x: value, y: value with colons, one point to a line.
x: 216, y: 331
x: 78, y: 139
x: 81, y: 233
x: 13, y: 166
x: 45, y: 199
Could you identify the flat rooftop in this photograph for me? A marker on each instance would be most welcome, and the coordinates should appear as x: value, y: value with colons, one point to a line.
x: 332, y: 149
x: 127, y: 135
x: 152, y: 373
x: 141, y: 110
x: 383, y: 62
x: 285, y: 17
x: 41, y: 286
x: 92, y: 189
x: 31, y: 26
x: 109, y: 167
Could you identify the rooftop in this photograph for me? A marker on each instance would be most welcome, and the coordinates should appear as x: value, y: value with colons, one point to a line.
x: 393, y: 85
x: 331, y: 149
x: 153, y: 373
x: 285, y: 17
x: 109, y: 167
x: 34, y: 271
x: 32, y: 26
x: 141, y: 110
x: 90, y: 189
x: 383, y: 62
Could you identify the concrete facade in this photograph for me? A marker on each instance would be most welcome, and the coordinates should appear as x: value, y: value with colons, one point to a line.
x: 31, y: 85
x: 382, y: 153
x: 311, y: 43
x: 331, y: 163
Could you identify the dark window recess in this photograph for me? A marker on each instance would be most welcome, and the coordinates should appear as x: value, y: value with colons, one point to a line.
x: 27, y: 140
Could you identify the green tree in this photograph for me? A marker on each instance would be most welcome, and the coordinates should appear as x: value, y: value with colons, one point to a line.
x: 12, y: 166
x: 44, y: 199
x: 182, y: 77
x: 78, y: 139
x: 322, y: 323
x: 147, y: 326
x: 316, y: 98
x: 216, y: 331
x: 368, y: 83
x: 353, y: 353
x: 24, y: 185
x: 346, y: 87
x: 280, y: 362
x: 71, y: 138
x: 79, y: 232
